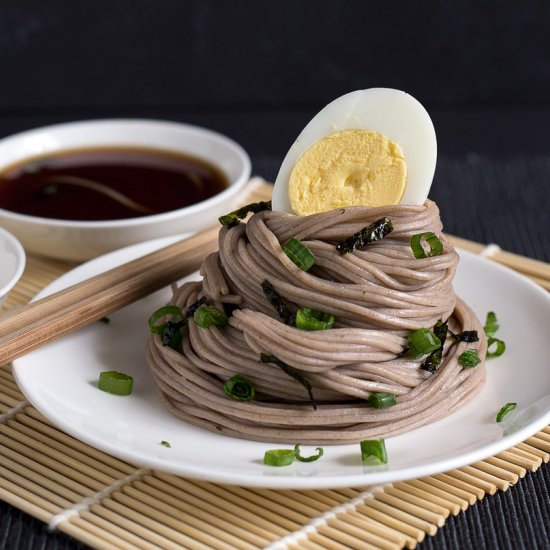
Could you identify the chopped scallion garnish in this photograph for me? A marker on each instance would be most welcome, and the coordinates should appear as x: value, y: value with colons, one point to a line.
x: 373, y: 452
x: 233, y: 218
x: 174, y: 311
x: 491, y: 324
x: 206, y: 316
x: 373, y: 232
x: 165, y: 444
x: 469, y: 358
x: 279, y: 457
x: 115, y: 382
x: 423, y: 341
x: 505, y: 410
x: 498, y: 345
x: 311, y: 319
x: 238, y: 387
x: 171, y: 330
x: 382, y: 400
x: 311, y: 458
x: 432, y: 362
x: 292, y: 372
x: 431, y: 239
x: 284, y: 457
x: 277, y: 302
x: 299, y: 253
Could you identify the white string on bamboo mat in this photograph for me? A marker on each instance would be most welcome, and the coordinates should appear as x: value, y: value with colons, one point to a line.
x: 322, y: 520
x: 490, y: 250
x: 4, y: 417
x: 86, y: 503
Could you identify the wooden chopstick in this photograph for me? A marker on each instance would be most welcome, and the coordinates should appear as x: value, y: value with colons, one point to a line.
x: 537, y: 271
x: 146, y: 270
x: 28, y: 327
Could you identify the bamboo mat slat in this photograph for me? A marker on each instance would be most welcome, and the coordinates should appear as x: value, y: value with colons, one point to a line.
x: 109, y: 503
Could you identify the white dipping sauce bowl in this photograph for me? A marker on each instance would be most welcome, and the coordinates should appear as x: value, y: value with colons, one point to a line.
x: 82, y: 240
x: 12, y: 262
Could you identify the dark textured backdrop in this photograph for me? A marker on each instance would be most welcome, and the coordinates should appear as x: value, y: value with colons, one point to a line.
x: 258, y: 71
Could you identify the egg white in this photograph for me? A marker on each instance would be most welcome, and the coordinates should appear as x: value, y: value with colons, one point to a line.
x: 393, y: 113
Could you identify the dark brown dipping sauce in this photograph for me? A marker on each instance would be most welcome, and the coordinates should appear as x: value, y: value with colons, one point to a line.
x: 107, y: 183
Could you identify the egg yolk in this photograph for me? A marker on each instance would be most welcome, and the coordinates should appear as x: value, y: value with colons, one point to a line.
x: 348, y: 168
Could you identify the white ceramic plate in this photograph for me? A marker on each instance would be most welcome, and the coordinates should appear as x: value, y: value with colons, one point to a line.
x: 60, y: 381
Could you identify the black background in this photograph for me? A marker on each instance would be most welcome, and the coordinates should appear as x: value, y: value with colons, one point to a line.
x: 258, y: 71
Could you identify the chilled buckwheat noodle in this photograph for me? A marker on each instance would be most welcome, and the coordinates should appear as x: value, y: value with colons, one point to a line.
x: 378, y: 295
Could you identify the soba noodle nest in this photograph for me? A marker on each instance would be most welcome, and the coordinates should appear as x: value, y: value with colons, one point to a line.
x: 378, y: 295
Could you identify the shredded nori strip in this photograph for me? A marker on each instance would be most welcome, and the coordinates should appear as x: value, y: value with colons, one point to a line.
x: 433, y: 360
x: 170, y: 334
x: 292, y: 372
x: 374, y: 232
x: 233, y: 218
x: 193, y: 307
x: 466, y: 336
x: 441, y: 330
x: 277, y: 302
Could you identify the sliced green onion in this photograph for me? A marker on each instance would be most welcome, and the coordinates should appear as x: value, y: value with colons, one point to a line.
x: 206, y: 316
x: 432, y: 362
x: 469, y: 358
x: 174, y: 311
x: 311, y: 458
x: 500, y: 348
x: 374, y: 232
x: 279, y: 457
x: 311, y: 319
x: 232, y: 219
x: 104, y: 320
x: 505, y: 410
x: 278, y: 303
x: 299, y: 253
x: 431, y: 239
x: 373, y: 452
x: 165, y: 444
x: 115, y: 382
x: 423, y: 341
x: 292, y: 372
x: 382, y: 400
x: 171, y: 330
x: 491, y: 324
x: 238, y: 387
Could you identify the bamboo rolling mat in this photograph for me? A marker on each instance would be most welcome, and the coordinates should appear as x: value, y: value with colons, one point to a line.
x: 108, y: 503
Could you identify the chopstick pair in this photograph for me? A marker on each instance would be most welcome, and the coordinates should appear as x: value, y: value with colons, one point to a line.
x: 25, y: 328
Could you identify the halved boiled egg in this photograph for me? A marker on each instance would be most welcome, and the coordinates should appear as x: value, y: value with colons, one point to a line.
x: 370, y: 147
